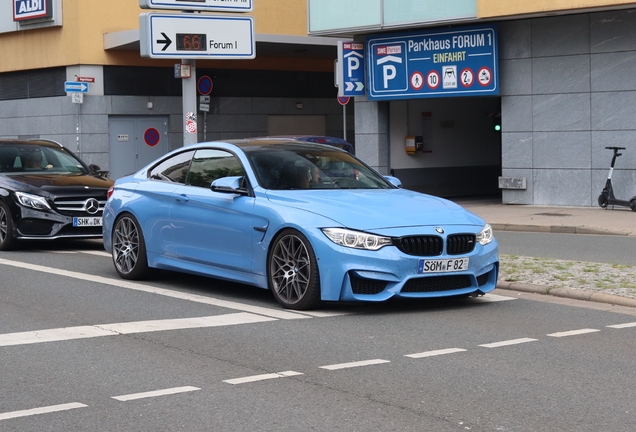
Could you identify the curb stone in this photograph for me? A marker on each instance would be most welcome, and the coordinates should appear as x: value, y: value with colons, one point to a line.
x: 561, y: 229
x: 593, y: 296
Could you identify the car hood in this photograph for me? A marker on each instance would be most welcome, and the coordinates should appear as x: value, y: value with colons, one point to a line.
x: 377, y: 209
x: 60, y: 184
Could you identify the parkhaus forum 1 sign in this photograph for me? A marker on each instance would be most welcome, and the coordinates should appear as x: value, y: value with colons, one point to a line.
x: 455, y: 62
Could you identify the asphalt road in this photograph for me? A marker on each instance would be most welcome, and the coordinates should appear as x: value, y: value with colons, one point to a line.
x: 575, y: 247
x: 80, y: 349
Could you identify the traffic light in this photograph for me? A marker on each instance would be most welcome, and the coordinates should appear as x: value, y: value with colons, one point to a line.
x: 496, y: 121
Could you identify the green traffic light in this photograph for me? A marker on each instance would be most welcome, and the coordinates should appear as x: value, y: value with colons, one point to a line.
x: 497, y: 128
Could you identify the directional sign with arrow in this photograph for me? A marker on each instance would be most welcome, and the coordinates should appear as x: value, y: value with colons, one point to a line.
x: 75, y: 87
x: 196, y: 36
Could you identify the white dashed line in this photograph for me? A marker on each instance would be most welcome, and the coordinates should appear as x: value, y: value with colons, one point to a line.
x: 263, y: 377
x: 435, y: 353
x: 508, y: 342
x: 83, y: 332
x: 43, y: 410
x: 355, y: 364
x: 621, y: 326
x: 155, y: 393
x: 490, y: 298
x: 573, y: 332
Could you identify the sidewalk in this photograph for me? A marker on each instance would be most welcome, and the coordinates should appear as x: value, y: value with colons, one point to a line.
x: 573, y: 220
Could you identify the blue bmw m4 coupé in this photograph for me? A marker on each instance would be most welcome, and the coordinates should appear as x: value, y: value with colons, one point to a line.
x: 310, y: 222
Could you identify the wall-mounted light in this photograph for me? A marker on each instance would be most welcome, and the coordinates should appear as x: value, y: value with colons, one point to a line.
x: 299, y: 105
x: 150, y: 105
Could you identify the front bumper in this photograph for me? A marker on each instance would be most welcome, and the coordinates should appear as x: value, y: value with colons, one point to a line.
x: 50, y: 225
x: 357, y: 275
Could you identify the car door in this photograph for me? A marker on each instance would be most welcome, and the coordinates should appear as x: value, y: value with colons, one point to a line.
x: 158, y: 195
x: 213, y: 228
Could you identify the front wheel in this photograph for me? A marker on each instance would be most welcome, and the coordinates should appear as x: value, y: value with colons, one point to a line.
x: 602, y: 200
x: 7, y: 240
x: 632, y: 204
x: 129, y: 248
x: 293, y: 271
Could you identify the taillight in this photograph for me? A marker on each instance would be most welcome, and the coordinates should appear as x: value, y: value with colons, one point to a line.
x: 110, y: 191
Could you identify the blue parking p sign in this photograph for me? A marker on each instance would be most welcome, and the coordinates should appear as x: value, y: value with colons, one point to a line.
x: 351, y: 77
x: 433, y: 64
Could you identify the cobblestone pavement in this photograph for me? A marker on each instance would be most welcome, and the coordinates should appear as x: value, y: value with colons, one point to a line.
x: 616, y: 279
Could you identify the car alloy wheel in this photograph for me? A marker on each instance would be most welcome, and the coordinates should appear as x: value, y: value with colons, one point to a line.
x: 129, y: 249
x: 6, y: 228
x: 293, y: 271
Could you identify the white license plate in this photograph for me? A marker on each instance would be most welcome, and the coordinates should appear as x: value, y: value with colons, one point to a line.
x: 87, y: 221
x: 443, y: 265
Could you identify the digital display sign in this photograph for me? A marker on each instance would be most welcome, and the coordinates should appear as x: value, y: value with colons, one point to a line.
x: 191, y: 42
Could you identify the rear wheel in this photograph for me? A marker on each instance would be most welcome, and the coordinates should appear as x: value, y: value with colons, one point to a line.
x: 129, y: 248
x: 602, y: 200
x: 7, y: 241
x: 632, y: 204
x: 293, y: 271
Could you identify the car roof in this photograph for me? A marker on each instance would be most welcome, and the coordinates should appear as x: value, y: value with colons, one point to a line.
x: 30, y: 142
x: 318, y: 139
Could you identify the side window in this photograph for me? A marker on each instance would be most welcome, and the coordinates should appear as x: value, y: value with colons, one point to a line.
x: 173, y: 169
x: 209, y: 165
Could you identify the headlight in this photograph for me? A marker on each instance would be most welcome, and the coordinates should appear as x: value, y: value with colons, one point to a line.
x: 356, y: 239
x: 32, y: 201
x: 485, y: 236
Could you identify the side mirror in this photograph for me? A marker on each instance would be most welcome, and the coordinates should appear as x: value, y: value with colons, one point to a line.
x: 394, y: 181
x: 229, y: 185
x: 97, y: 170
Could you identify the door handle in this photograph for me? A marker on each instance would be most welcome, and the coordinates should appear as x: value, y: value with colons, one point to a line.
x: 182, y: 198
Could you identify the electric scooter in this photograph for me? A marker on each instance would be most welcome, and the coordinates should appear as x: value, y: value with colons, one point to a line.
x: 607, y: 196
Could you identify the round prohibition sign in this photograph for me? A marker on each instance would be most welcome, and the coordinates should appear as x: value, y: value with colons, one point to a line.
x: 433, y: 79
x: 152, y: 137
x: 467, y: 77
x: 484, y: 76
x: 417, y: 80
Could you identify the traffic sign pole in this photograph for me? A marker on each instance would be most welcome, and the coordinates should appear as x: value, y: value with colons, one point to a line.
x: 189, y: 90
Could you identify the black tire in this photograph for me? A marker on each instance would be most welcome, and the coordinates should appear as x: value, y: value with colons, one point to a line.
x: 7, y: 240
x: 129, y: 249
x: 632, y: 204
x: 602, y: 200
x: 292, y: 271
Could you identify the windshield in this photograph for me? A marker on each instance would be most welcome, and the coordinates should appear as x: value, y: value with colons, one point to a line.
x: 287, y: 167
x: 36, y: 158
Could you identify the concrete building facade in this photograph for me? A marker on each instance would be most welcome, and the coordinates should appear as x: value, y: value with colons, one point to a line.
x: 567, y: 91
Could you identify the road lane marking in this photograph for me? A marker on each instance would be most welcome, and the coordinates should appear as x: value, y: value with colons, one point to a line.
x: 98, y: 253
x: 573, y: 332
x: 120, y: 283
x: 155, y: 393
x: 435, y: 353
x: 508, y: 342
x: 490, y: 298
x: 43, y: 410
x: 355, y: 364
x: 621, y: 326
x: 83, y: 332
x: 262, y: 377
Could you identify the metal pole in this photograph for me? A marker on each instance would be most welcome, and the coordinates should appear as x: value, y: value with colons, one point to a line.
x: 344, y: 121
x: 189, y: 97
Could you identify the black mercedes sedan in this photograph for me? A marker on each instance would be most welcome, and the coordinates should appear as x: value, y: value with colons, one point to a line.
x: 46, y: 193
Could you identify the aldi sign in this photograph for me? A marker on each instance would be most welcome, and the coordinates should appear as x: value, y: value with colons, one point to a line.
x: 31, y: 9
x: 440, y: 63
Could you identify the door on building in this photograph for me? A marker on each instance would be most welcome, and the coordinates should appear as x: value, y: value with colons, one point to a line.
x: 135, y: 141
